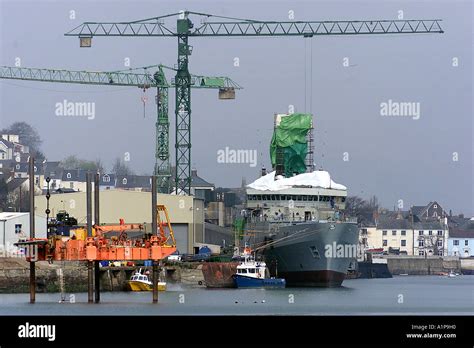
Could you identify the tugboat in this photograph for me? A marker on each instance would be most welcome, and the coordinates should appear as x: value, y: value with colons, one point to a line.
x: 140, y: 282
x: 255, y: 274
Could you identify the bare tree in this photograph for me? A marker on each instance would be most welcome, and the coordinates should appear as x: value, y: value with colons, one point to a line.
x: 121, y: 168
x: 431, y: 244
x: 29, y: 136
x: 361, y: 208
x: 72, y: 162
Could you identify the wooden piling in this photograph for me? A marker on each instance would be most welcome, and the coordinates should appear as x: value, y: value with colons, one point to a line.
x: 33, y: 254
x: 97, y: 223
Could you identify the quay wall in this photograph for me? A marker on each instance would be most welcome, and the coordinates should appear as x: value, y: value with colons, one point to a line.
x: 14, y: 276
x: 422, y: 266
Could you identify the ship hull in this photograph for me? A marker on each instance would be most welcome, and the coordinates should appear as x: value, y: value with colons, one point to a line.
x: 250, y: 282
x: 313, y: 254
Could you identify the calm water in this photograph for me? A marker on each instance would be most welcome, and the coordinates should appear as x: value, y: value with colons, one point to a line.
x: 419, y: 295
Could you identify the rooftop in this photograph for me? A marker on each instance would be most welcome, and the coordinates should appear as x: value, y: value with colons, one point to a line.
x: 9, y: 216
x: 197, y: 181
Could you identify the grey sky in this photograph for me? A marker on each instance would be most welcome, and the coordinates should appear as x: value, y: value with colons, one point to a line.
x: 393, y: 158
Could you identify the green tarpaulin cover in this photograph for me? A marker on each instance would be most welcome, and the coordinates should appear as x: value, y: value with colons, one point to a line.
x: 239, y: 226
x: 290, y: 135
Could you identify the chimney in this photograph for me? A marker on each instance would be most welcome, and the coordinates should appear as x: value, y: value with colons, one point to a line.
x: 264, y: 171
x: 194, y: 172
x: 399, y: 215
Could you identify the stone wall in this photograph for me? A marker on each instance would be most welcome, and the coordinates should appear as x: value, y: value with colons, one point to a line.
x: 422, y: 266
x: 14, y: 276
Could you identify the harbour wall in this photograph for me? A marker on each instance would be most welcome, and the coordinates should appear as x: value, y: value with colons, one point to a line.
x: 423, y: 266
x: 14, y: 276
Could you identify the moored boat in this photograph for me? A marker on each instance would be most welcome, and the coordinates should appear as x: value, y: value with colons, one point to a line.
x: 255, y: 274
x: 140, y: 282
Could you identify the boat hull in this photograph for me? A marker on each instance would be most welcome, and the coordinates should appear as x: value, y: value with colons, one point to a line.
x: 249, y: 282
x: 313, y: 254
x: 141, y: 286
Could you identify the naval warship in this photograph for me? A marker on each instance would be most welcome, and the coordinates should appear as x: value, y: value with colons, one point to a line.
x: 294, y: 216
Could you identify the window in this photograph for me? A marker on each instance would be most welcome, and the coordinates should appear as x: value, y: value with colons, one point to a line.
x: 106, y: 178
x: 420, y: 233
x: 124, y: 181
x: 17, y: 167
x: 71, y: 185
x: 440, y: 252
x: 421, y: 243
x: 440, y: 243
x: 305, y: 198
x: 456, y: 242
x: 254, y: 197
x: 249, y: 197
x: 440, y: 233
x: 430, y: 233
x: 421, y: 252
x: 252, y: 270
x: 68, y: 175
x: 384, y: 233
x: 403, y: 242
x: 299, y: 197
x: 384, y: 242
x: 435, y: 214
x: 343, y: 199
x: 435, y: 206
x: 394, y: 233
x: 404, y: 233
x: 466, y: 242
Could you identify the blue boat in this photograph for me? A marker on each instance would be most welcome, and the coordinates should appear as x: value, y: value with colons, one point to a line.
x: 255, y: 274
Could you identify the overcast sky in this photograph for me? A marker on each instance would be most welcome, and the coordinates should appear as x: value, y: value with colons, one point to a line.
x: 395, y: 158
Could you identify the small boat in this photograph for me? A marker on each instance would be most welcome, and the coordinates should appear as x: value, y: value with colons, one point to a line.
x: 255, y: 274
x: 140, y: 282
x: 452, y: 274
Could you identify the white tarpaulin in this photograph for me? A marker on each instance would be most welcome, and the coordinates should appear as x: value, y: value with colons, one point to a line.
x: 318, y: 178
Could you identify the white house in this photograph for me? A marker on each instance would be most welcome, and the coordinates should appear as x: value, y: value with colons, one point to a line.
x: 14, y: 226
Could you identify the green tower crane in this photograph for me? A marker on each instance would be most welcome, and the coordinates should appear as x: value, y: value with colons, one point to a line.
x: 229, y: 27
x: 143, y: 80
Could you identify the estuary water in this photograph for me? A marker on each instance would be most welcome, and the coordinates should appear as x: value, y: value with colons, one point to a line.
x: 401, y: 295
